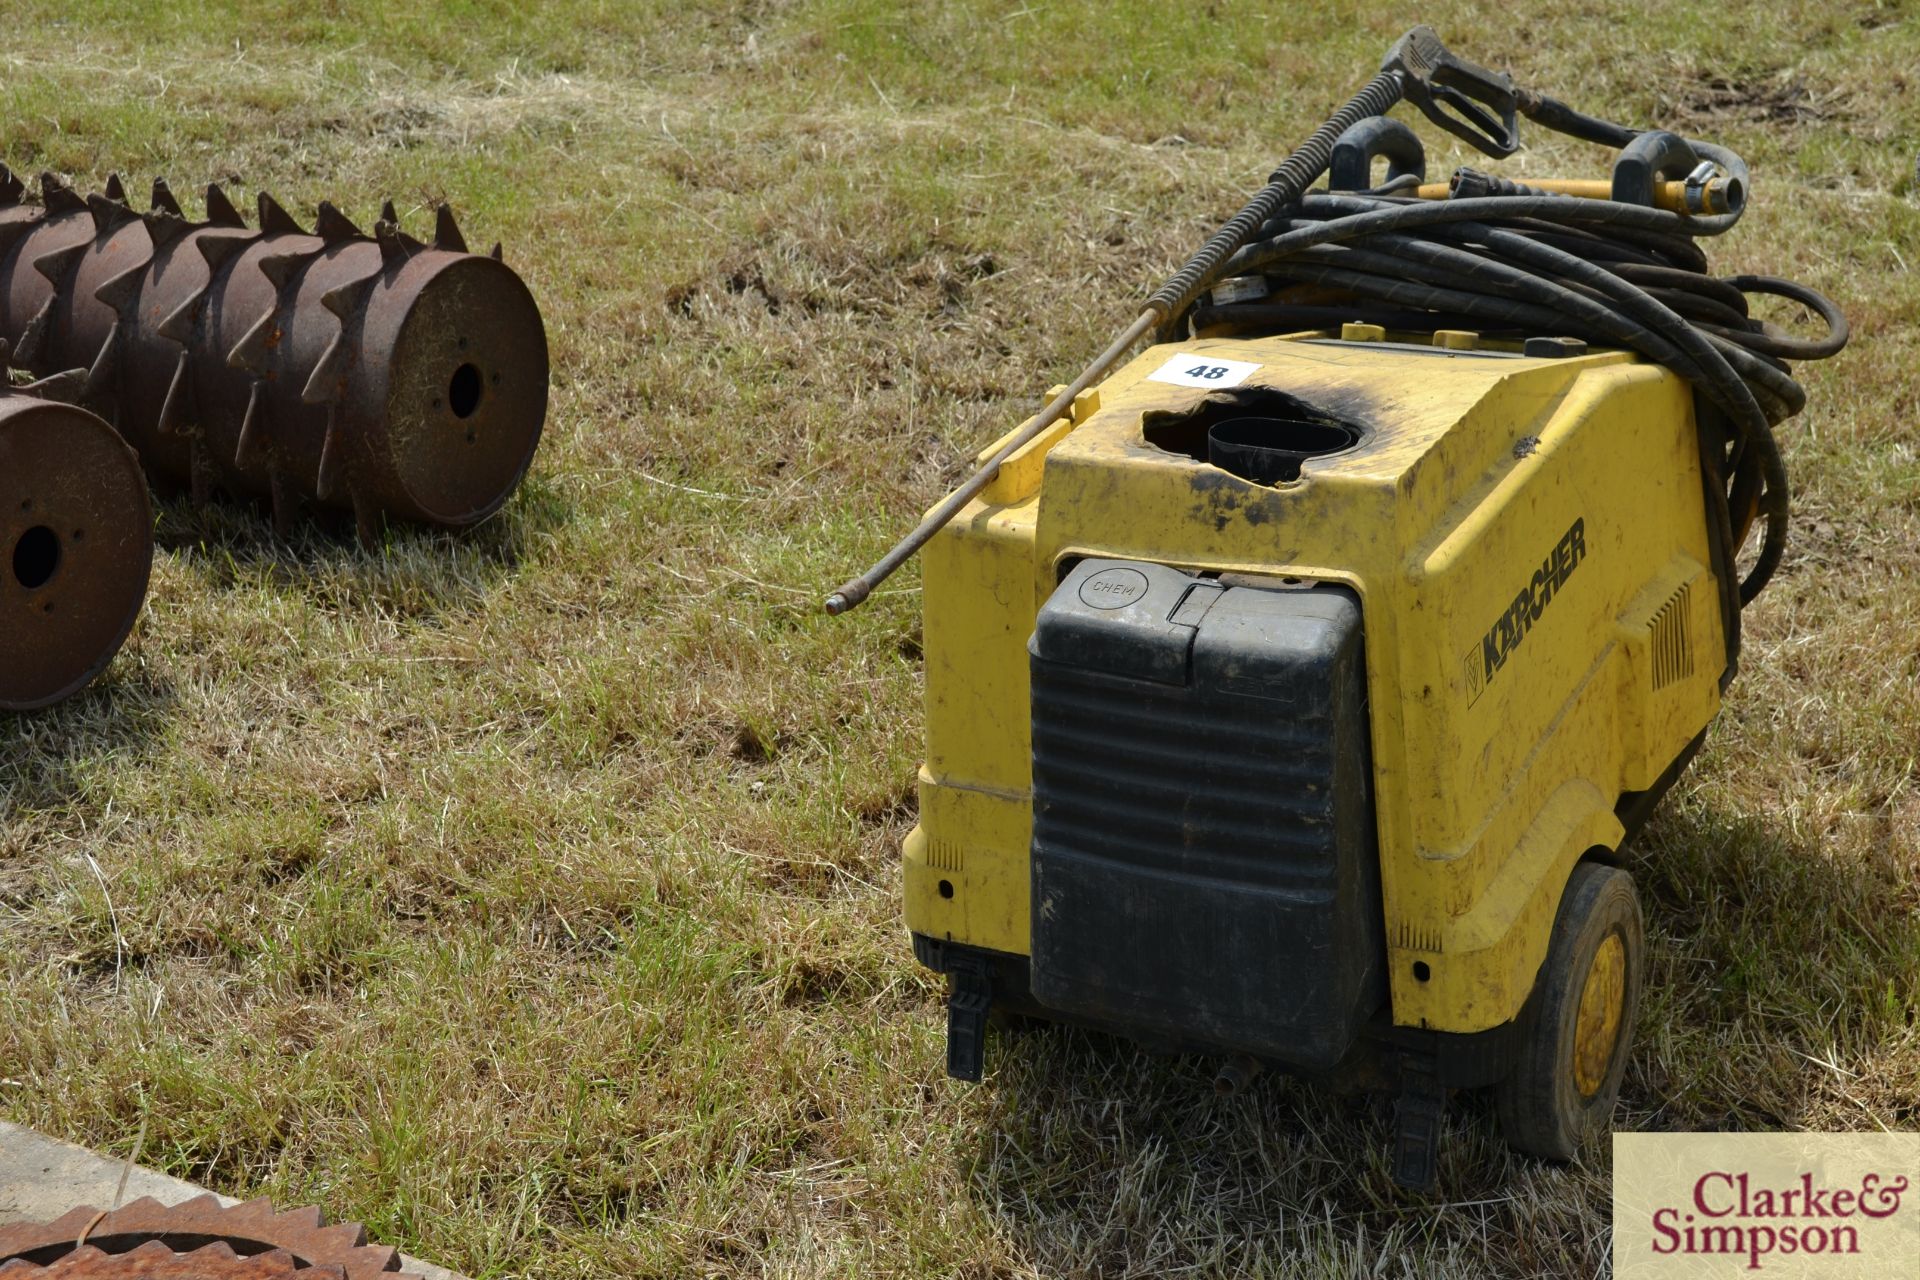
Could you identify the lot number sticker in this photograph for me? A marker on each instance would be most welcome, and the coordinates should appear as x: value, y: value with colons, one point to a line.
x: 1210, y: 372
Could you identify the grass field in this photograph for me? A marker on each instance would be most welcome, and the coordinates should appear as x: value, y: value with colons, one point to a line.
x: 531, y: 896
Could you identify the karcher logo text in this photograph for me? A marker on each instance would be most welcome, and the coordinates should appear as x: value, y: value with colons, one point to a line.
x: 1484, y: 661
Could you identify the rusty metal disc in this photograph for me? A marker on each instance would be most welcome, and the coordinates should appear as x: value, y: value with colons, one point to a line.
x: 76, y: 548
x: 155, y: 1261
x: 461, y: 401
x: 197, y: 1240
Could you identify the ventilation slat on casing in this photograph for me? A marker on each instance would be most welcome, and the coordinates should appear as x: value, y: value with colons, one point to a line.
x: 1672, y: 639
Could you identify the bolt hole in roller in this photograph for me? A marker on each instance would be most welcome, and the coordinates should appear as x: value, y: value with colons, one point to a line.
x: 463, y: 391
x: 1294, y: 685
x: 35, y: 557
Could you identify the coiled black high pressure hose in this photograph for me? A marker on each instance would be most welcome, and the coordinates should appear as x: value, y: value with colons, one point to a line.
x: 1607, y: 272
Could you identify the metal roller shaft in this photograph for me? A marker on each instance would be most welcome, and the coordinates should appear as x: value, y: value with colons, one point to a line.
x: 379, y: 374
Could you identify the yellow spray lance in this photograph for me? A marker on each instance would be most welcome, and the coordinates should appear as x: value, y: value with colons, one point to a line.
x: 1467, y: 100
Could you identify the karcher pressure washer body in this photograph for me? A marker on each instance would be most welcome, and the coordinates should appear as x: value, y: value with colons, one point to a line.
x: 1292, y: 688
x: 1276, y: 720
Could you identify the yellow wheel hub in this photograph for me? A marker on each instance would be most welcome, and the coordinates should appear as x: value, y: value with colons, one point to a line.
x: 1596, y: 1027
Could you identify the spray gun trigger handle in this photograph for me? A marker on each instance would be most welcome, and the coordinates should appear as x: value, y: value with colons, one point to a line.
x: 1465, y: 99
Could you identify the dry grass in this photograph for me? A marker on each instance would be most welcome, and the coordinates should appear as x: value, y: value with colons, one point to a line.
x: 531, y: 897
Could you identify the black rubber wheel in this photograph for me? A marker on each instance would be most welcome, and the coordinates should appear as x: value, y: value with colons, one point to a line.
x: 1565, y: 1082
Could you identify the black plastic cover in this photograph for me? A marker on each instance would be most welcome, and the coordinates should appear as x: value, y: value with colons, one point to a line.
x: 1204, y: 864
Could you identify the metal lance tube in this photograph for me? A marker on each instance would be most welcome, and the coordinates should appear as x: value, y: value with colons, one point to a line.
x: 378, y: 374
x: 852, y: 592
x: 76, y: 545
x: 1286, y: 185
x: 1469, y: 101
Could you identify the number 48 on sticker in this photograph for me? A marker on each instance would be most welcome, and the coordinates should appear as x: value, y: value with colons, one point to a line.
x: 1194, y: 370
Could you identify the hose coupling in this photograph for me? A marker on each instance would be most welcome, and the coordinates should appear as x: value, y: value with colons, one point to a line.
x: 1708, y: 191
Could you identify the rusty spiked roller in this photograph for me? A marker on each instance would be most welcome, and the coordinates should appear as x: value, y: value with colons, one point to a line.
x: 76, y: 543
x: 198, y: 1240
x: 383, y: 375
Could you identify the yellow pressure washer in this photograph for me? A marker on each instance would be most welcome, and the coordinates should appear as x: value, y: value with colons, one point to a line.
x: 1292, y: 688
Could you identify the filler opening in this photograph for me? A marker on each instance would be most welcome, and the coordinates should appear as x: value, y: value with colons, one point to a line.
x: 1259, y: 433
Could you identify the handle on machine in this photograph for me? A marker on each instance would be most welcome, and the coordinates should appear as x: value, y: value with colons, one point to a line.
x: 1371, y: 139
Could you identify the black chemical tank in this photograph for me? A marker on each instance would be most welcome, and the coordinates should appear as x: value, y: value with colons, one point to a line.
x: 1204, y: 862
